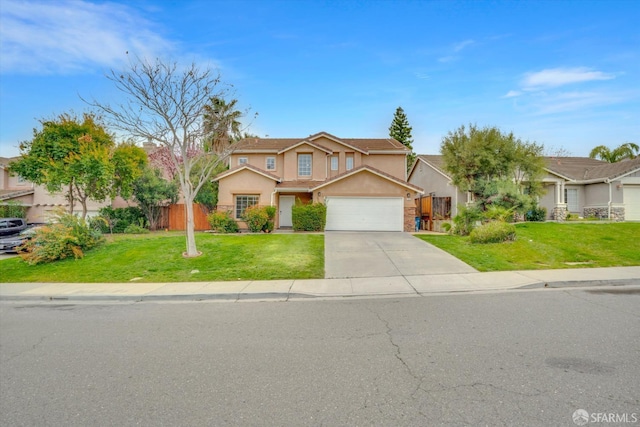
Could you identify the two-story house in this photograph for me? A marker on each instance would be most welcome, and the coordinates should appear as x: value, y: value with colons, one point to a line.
x: 361, y: 181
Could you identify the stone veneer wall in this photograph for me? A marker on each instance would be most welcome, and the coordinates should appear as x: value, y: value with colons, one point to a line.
x: 410, y: 219
x: 617, y: 213
x: 559, y: 213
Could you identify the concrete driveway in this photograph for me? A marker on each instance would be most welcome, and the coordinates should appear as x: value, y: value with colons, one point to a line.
x: 385, y: 254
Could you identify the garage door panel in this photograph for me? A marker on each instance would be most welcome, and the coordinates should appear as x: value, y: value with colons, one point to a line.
x: 365, y: 213
x: 632, y: 202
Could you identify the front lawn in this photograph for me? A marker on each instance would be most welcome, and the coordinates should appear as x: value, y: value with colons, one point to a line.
x: 158, y: 257
x: 550, y: 245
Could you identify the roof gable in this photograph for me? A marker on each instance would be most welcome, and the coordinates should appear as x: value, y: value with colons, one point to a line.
x: 435, y: 161
x: 372, y: 170
x: 248, y: 167
x: 307, y: 142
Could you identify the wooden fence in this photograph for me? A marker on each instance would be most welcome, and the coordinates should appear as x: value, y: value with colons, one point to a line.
x: 174, y: 217
x: 431, y: 208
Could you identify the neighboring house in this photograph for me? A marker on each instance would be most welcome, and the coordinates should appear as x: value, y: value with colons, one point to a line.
x: 428, y: 172
x: 36, y: 198
x: 579, y: 185
x: 361, y: 181
x: 592, y: 188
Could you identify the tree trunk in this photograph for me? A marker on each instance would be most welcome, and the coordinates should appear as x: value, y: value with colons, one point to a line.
x: 70, y: 198
x: 192, y: 251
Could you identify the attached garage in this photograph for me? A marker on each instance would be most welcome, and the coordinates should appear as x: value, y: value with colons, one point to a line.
x: 365, y: 213
x: 631, y: 202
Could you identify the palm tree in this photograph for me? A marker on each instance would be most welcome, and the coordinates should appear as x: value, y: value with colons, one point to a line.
x: 221, y: 123
x: 628, y: 150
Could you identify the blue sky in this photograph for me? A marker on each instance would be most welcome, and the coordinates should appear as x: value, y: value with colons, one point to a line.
x: 565, y: 74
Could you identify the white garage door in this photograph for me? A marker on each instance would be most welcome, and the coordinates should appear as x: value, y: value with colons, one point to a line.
x: 365, y: 213
x: 632, y: 202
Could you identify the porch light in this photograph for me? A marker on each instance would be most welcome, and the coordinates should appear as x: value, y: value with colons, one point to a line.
x: 319, y: 194
x: 408, y: 195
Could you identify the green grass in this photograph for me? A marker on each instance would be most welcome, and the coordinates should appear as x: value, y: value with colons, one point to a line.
x: 550, y: 246
x: 158, y: 257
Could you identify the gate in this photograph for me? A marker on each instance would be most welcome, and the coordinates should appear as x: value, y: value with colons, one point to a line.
x: 432, y: 208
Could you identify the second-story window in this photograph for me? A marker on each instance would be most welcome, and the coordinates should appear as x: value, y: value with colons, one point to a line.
x: 304, y: 164
x: 242, y: 161
x: 349, y: 161
x: 334, y: 163
x: 271, y: 163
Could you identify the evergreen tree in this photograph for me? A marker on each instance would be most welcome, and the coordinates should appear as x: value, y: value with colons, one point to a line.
x: 401, y: 131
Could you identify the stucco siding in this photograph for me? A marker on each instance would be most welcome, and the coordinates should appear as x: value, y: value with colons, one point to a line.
x: 393, y: 164
x: 245, y: 183
x: 367, y: 184
x: 432, y: 181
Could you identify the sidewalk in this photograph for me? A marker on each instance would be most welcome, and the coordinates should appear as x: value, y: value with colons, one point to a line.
x: 284, y: 290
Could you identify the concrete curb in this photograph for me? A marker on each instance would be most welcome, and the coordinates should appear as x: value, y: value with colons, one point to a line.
x: 289, y: 296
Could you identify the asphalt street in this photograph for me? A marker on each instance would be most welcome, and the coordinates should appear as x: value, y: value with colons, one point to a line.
x: 527, y: 357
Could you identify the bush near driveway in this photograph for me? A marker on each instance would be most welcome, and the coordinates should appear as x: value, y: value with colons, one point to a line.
x: 309, y: 217
x: 493, y: 232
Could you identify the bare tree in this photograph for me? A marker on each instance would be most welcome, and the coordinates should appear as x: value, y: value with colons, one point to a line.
x: 165, y: 104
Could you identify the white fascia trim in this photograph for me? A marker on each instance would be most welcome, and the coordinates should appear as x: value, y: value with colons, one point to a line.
x: 566, y: 178
x: 403, y: 152
x: 309, y: 143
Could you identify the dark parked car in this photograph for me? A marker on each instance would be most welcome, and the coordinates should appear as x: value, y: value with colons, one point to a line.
x: 10, y: 226
x: 13, y: 243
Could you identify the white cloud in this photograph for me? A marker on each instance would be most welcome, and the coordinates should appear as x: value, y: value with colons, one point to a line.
x: 554, y: 77
x: 459, y: 46
x: 574, y: 101
x: 70, y: 36
x: 512, y: 94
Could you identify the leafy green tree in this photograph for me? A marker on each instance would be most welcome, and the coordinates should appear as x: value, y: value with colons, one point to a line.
x: 628, y: 150
x: 152, y: 192
x: 77, y: 156
x: 129, y: 162
x: 496, y: 168
x: 400, y: 130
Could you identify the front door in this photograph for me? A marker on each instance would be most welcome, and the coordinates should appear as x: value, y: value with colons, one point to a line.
x: 286, y: 205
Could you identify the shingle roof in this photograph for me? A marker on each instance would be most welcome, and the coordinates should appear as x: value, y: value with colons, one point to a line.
x: 573, y: 168
x: 613, y: 170
x: 435, y: 160
x: 279, y: 144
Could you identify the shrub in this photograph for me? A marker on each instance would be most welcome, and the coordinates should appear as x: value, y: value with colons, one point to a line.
x: 271, y: 215
x: 537, y: 214
x: 135, y: 229
x: 498, y: 213
x: 221, y: 222
x: 309, y: 217
x: 119, y: 219
x: 466, y: 220
x: 67, y: 236
x: 493, y: 232
x: 13, y: 209
x: 256, y: 218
